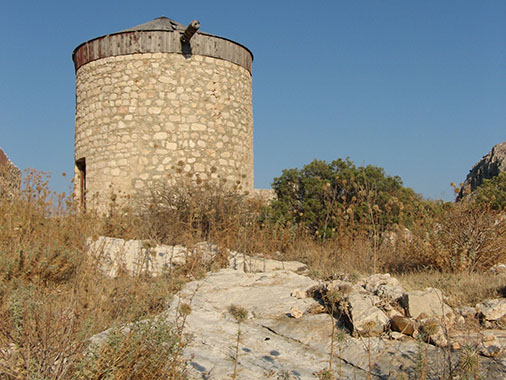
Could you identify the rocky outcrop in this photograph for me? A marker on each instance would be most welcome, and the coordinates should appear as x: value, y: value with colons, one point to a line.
x: 488, y: 167
x: 426, y: 303
x: 291, y: 317
x: 144, y: 257
x: 10, y: 176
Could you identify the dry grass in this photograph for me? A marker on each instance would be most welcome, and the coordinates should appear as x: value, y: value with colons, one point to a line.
x: 148, y: 350
x: 462, y: 237
x: 187, y: 213
x: 459, y: 288
x: 53, y: 298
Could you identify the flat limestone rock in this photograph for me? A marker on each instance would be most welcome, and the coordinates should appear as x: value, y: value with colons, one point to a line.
x: 271, y: 341
x: 426, y: 303
x: 254, y: 264
x: 145, y: 257
x: 275, y: 345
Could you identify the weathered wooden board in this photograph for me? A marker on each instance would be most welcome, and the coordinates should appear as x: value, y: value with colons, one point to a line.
x: 132, y: 42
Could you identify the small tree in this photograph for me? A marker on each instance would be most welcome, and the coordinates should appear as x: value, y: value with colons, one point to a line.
x: 325, y: 196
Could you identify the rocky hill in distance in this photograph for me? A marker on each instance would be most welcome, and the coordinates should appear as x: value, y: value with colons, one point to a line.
x: 488, y: 167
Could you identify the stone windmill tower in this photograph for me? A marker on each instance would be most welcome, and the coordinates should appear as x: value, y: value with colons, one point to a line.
x: 158, y: 101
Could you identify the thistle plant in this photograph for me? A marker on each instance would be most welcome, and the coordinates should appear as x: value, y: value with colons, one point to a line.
x: 331, y: 299
x: 184, y: 311
x: 239, y: 314
x: 469, y: 362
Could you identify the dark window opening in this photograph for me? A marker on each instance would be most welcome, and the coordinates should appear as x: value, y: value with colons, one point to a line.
x: 81, y: 166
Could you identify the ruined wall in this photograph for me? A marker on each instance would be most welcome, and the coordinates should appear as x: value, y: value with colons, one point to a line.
x: 151, y: 117
x: 10, y: 176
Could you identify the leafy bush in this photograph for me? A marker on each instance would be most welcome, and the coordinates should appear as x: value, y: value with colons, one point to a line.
x: 326, y: 196
x: 492, y: 192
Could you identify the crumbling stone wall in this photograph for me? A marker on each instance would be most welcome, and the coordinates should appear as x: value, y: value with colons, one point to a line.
x: 151, y: 117
x: 10, y: 176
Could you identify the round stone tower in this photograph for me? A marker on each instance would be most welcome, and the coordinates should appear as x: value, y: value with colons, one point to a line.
x: 160, y: 101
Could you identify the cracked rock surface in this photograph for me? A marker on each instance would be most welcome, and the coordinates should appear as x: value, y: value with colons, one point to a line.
x: 286, y: 334
x: 275, y: 345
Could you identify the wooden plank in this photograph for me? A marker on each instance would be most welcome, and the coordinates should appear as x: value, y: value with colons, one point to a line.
x: 160, y: 41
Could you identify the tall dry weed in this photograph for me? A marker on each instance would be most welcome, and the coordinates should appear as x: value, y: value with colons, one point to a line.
x: 188, y: 213
x: 463, y: 237
x: 52, y: 295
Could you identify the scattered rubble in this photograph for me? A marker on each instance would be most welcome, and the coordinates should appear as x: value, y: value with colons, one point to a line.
x: 383, y: 285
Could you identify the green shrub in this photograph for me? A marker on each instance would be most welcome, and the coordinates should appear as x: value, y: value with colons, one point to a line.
x: 492, y: 192
x: 325, y: 196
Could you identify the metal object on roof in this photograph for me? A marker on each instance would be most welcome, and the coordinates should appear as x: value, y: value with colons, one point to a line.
x: 190, y: 31
x: 161, y: 35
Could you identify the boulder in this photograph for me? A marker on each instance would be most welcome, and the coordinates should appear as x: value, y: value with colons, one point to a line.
x: 427, y: 303
x: 404, y: 325
x: 489, y: 166
x: 433, y: 331
x: 384, y: 286
x: 366, y: 319
x: 492, y: 310
x: 490, y: 346
x: 137, y: 257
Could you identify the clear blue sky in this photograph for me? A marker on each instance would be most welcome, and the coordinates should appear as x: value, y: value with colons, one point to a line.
x: 416, y: 87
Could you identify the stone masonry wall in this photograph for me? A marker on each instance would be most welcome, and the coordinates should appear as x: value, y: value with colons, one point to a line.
x: 10, y: 176
x: 148, y: 118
